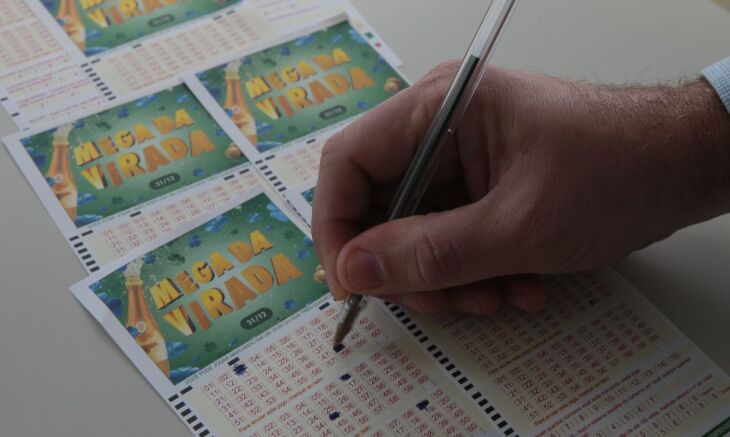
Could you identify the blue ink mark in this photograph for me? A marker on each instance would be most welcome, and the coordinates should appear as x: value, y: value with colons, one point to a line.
x: 345, y: 377
x: 335, y: 415
x: 338, y: 347
x: 422, y: 405
x: 240, y: 369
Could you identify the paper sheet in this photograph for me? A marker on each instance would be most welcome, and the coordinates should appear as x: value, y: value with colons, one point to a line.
x: 239, y: 343
x: 102, y: 51
x: 38, y: 79
x: 227, y: 319
x: 114, y: 179
x: 95, y: 27
x: 288, y: 98
x: 211, y: 286
x: 132, y: 177
x: 599, y: 361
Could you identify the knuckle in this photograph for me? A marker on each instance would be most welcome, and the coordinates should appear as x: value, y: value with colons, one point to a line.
x: 433, y: 261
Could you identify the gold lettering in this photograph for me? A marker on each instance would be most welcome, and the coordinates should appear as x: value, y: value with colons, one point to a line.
x: 305, y: 70
x: 267, y: 107
x: 153, y: 158
x: 175, y: 148
x: 200, y: 143
x: 257, y: 87
x: 340, y: 57
x: 202, y: 272
x: 298, y: 97
x: 324, y: 62
x: 290, y: 74
x: 180, y: 320
x: 85, y: 153
x: 182, y: 119
x: 319, y: 92
x: 213, y: 300
x: 360, y: 79
x: 95, y: 177
x: 284, y: 269
x: 185, y: 282
x: 129, y: 165
x: 200, y: 315
x: 164, y: 293
x: 241, y: 251
x: 337, y: 82
x: 124, y: 139
x: 164, y: 124
x: 259, y: 242
x: 107, y: 146
x: 220, y: 264
x: 275, y: 80
x: 239, y: 292
x: 259, y: 277
x: 142, y: 134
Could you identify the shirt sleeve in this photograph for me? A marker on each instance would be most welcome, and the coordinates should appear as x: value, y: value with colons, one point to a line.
x: 718, y: 75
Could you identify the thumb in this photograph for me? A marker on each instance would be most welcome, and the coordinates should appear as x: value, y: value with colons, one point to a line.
x: 431, y: 252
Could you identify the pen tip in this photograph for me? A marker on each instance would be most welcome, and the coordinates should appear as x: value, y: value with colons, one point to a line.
x: 339, y: 336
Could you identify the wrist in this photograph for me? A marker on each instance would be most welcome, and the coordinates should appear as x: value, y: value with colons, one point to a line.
x: 677, y: 141
x: 700, y: 148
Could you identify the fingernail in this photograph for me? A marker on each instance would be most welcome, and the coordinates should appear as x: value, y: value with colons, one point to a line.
x: 363, y: 270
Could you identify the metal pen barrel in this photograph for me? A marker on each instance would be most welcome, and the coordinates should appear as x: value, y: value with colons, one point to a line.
x: 425, y: 161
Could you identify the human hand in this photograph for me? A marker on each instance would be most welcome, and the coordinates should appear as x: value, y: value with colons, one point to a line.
x: 542, y: 176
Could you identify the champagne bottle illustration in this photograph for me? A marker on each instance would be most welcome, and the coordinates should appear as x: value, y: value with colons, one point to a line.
x: 139, y: 317
x: 235, y: 103
x: 70, y: 20
x: 59, y: 171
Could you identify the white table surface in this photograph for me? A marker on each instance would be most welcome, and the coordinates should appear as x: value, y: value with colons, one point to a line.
x: 60, y: 374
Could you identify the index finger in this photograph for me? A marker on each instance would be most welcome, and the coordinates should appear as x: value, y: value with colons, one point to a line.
x: 373, y: 151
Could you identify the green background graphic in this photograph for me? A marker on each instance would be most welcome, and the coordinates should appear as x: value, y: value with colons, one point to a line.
x: 273, y: 133
x: 189, y: 354
x: 99, y: 39
x: 309, y: 196
x: 95, y: 204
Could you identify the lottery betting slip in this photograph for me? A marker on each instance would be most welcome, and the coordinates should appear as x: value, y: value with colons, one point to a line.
x: 228, y: 318
x: 176, y: 145
x: 59, y: 57
x: 128, y: 173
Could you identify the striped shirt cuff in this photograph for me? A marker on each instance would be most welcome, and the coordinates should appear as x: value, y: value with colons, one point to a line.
x: 718, y: 75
